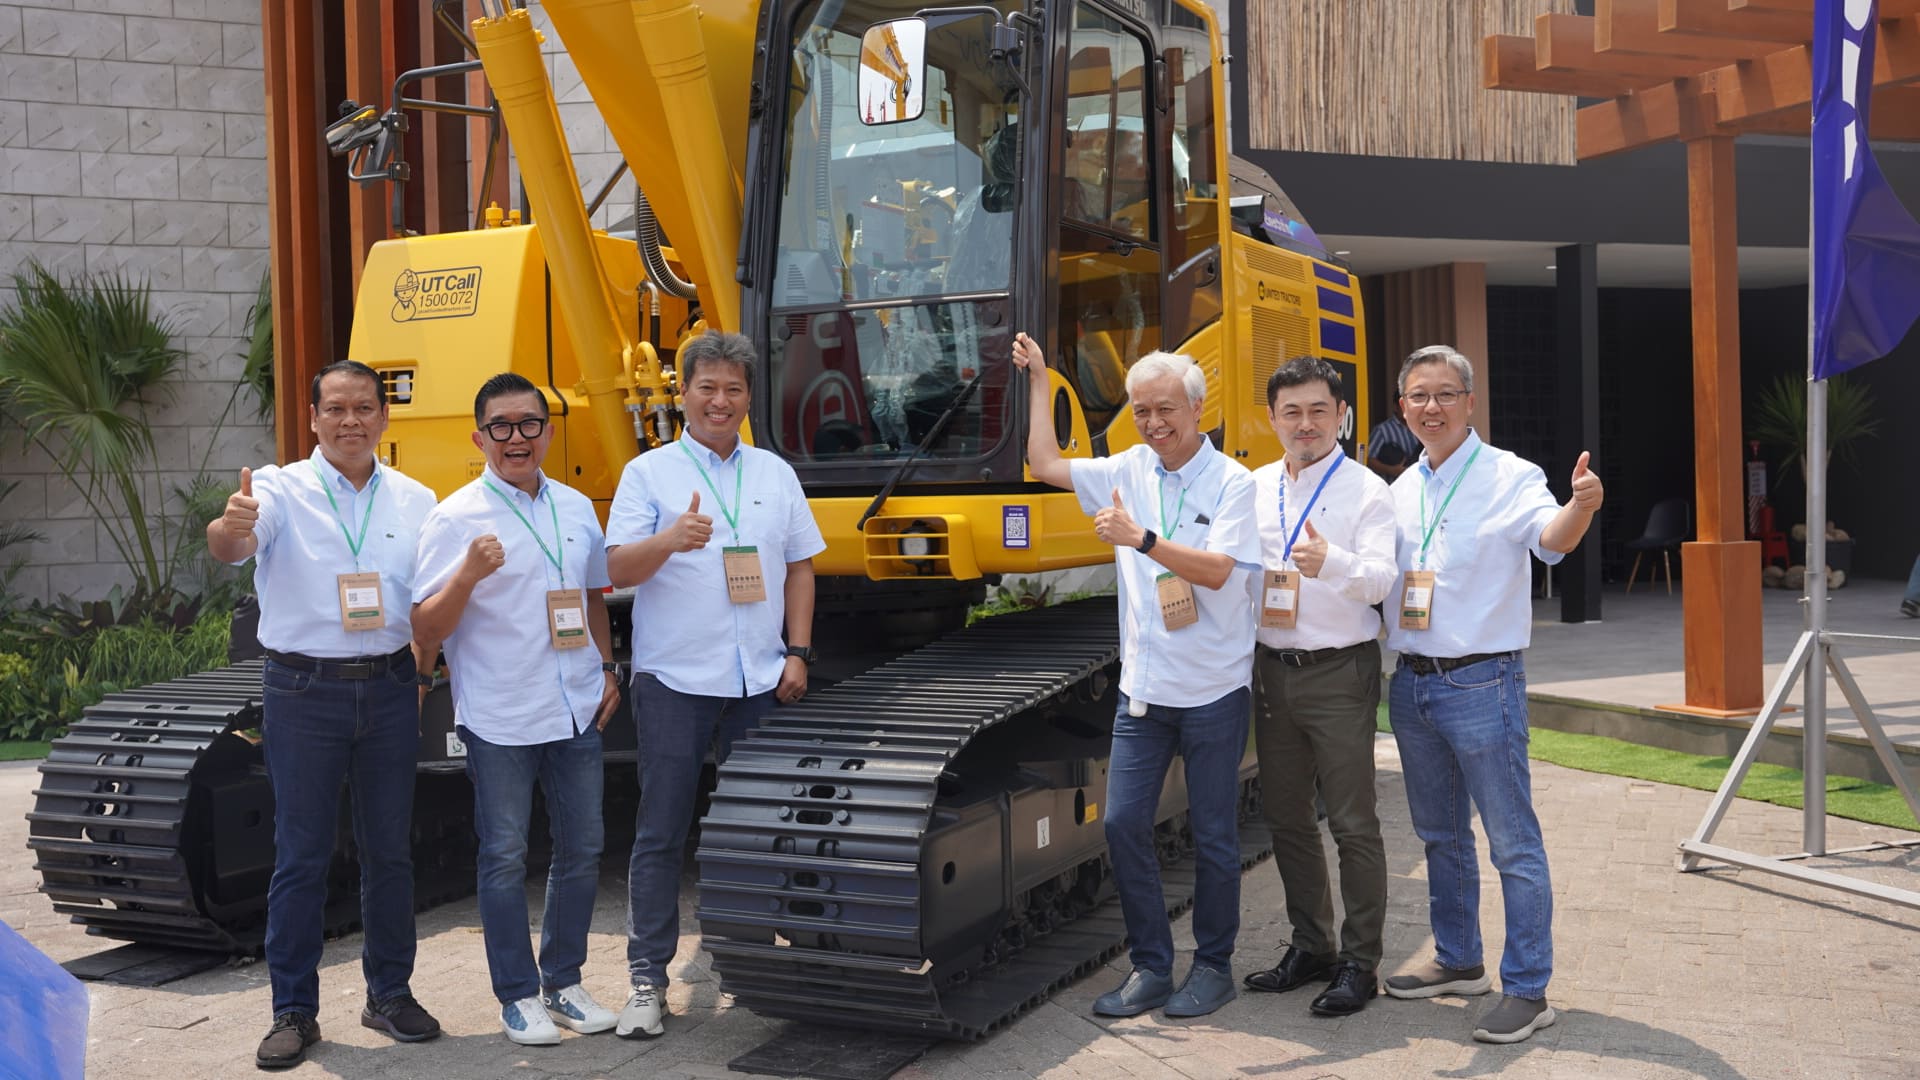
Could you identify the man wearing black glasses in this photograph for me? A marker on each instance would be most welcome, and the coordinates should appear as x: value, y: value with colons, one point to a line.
x: 1467, y: 515
x: 508, y: 578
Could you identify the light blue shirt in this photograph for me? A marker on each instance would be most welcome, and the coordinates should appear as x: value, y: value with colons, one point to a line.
x: 302, y: 551
x: 700, y: 641
x: 510, y: 685
x: 1202, y: 663
x: 1483, y: 587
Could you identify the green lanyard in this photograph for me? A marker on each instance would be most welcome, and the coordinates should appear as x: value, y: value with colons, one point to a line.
x: 553, y: 556
x: 739, y: 473
x: 1179, y: 506
x: 1437, y: 518
x: 353, y: 542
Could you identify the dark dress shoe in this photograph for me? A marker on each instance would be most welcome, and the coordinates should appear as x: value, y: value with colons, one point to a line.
x: 1353, y: 986
x: 1296, y: 968
x: 286, y: 1043
x: 1142, y: 991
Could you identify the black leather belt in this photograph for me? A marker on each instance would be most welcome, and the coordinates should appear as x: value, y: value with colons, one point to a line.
x: 1429, y: 665
x: 1308, y: 657
x: 343, y: 667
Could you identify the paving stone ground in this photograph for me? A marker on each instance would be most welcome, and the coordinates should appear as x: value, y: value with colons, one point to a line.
x: 1718, y: 975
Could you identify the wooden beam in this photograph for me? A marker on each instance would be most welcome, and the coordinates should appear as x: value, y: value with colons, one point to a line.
x: 1712, y: 18
x: 1633, y: 26
x: 1657, y: 114
x: 1715, y: 274
x: 1565, y: 43
x: 1896, y: 118
x: 1889, y: 9
x: 1507, y: 63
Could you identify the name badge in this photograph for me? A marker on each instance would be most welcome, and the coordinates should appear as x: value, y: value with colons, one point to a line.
x: 360, y: 607
x: 1280, y: 600
x: 566, y: 619
x: 745, y: 585
x: 1416, y: 601
x: 1177, y: 608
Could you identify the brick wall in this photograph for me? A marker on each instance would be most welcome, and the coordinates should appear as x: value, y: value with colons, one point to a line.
x: 132, y: 138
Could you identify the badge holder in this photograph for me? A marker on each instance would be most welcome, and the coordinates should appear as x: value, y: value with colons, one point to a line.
x: 566, y: 619
x: 1177, y: 608
x: 745, y: 585
x: 1416, y: 601
x: 360, y: 607
x: 1280, y: 600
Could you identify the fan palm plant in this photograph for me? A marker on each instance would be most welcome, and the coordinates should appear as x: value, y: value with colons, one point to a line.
x: 1781, y: 419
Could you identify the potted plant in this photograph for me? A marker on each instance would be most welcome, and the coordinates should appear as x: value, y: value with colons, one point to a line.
x: 1780, y: 421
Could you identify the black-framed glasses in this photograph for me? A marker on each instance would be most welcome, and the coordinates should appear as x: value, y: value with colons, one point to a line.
x: 529, y: 429
x: 1446, y: 399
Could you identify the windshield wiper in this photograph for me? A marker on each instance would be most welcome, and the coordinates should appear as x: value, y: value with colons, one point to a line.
x: 927, y: 440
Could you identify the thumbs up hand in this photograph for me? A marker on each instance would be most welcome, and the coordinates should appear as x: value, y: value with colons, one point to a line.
x: 1113, y: 525
x: 243, y: 510
x: 691, y: 530
x: 1310, y: 554
x: 1587, y: 492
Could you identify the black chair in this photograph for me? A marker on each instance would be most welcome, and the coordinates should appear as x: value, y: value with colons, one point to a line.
x: 1667, y: 526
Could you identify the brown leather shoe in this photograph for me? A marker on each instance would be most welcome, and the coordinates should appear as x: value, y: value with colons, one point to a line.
x: 286, y: 1043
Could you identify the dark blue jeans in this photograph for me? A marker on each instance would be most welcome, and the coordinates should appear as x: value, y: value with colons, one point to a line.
x: 673, y: 731
x: 1211, y: 739
x: 1913, y: 584
x: 1463, y: 740
x: 317, y: 733
x: 570, y: 778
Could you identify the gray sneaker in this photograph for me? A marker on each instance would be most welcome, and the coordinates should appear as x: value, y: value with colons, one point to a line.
x: 1432, y: 980
x: 1513, y: 1020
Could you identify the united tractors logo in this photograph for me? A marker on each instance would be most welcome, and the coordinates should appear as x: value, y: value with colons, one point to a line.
x: 436, y: 294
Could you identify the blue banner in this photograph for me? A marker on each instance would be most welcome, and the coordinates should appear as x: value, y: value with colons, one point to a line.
x: 1866, y: 246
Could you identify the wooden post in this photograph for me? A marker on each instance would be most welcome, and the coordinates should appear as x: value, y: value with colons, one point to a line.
x: 371, y: 67
x: 1722, y: 596
x: 300, y: 257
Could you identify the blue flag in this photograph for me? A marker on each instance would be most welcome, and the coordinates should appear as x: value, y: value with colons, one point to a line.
x: 1866, y: 246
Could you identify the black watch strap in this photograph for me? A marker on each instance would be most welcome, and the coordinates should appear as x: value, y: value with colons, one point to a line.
x: 609, y: 666
x: 1147, y: 541
x: 423, y: 678
x: 804, y: 652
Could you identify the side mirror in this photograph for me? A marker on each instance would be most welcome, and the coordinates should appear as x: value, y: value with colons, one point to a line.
x: 893, y: 70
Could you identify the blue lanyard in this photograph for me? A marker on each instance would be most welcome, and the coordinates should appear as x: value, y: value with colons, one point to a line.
x: 1295, y: 535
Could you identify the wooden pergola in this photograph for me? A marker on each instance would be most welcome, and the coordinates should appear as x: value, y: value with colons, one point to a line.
x: 1703, y: 72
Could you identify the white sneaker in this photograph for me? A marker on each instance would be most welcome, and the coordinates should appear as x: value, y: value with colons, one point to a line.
x: 575, y: 1008
x: 641, y: 1018
x: 526, y: 1023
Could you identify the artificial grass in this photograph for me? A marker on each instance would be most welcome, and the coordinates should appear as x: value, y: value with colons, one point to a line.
x: 24, y: 751
x: 1847, y: 797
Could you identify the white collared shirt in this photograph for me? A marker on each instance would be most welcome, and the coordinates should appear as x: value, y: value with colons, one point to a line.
x: 1202, y: 663
x: 1354, y: 514
x: 510, y: 685
x: 705, y: 643
x: 1483, y: 585
x: 303, y: 550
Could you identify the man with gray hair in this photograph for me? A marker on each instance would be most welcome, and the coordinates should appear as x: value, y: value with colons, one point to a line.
x: 1186, y: 654
x: 1467, y: 516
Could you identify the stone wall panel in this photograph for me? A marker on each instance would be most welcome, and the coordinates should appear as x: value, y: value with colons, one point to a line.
x: 119, y: 82
x: 16, y: 218
x: 40, y: 78
x: 25, y: 171
x: 13, y: 123
x: 223, y: 179
x: 240, y: 46
x: 231, y: 90
x: 70, y: 220
x: 79, y: 34
x: 173, y: 41
x: 59, y: 126
x: 164, y: 221
x: 130, y: 176
x: 175, y: 132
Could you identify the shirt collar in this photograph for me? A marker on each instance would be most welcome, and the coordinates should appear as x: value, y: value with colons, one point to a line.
x: 1313, y: 472
x: 706, y: 456
x: 506, y: 487
x: 1455, y: 461
x: 1190, y: 472
x: 334, y: 476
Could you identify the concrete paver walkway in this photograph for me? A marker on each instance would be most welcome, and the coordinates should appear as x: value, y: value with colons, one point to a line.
x: 1718, y: 975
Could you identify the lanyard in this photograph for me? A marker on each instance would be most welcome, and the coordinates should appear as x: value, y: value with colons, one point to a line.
x: 1295, y: 535
x: 553, y: 556
x: 1181, y: 505
x: 739, y: 473
x: 353, y: 542
x: 1437, y: 518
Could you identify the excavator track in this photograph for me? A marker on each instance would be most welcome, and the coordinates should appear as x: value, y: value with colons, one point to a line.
x: 857, y: 867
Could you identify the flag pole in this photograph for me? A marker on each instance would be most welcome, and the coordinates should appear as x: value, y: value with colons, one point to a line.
x: 1813, y: 725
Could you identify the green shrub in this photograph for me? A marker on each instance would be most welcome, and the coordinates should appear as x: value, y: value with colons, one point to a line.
x: 54, y: 663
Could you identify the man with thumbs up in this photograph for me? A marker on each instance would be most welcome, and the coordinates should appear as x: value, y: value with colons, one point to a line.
x: 1179, y: 514
x: 1326, y: 537
x: 332, y: 538
x: 718, y: 540
x: 1461, y: 616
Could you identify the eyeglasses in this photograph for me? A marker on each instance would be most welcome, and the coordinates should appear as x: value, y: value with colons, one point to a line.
x: 1446, y: 399
x: 502, y: 430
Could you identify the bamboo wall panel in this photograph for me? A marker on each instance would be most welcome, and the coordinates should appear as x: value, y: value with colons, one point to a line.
x: 1396, y: 78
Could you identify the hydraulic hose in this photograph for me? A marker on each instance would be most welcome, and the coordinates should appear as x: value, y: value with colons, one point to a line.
x: 646, y: 233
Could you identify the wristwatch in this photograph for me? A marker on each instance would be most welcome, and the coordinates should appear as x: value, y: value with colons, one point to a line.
x: 609, y: 667
x: 423, y: 678
x: 1147, y: 541
x: 804, y: 652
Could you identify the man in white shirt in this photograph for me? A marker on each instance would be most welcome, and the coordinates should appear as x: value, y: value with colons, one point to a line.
x: 332, y: 538
x: 509, y: 577
x: 1186, y: 658
x: 742, y: 589
x: 1469, y: 514
x: 1326, y: 539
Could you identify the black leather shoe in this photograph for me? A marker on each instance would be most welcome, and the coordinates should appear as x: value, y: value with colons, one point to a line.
x: 1353, y: 986
x: 1296, y: 968
x: 286, y: 1043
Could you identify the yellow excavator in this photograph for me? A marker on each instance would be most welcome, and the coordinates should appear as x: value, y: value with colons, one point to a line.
x: 879, y: 194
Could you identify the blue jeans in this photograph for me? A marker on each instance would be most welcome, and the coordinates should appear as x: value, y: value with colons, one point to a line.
x: 1463, y: 735
x: 1913, y: 584
x: 317, y: 733
x: 1211, y: 739
x: 672, y: 731
x: 570, y: 777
